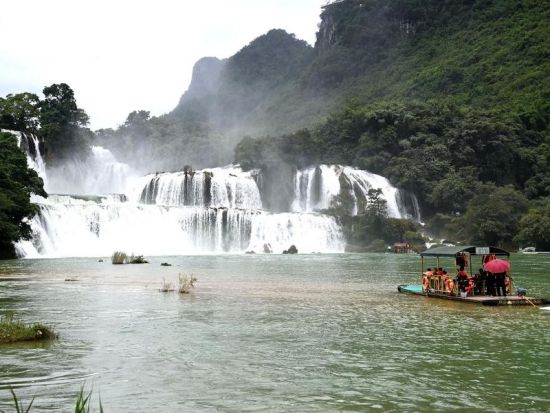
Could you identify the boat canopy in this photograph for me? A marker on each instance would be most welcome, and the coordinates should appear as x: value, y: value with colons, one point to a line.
x: 462, y: 249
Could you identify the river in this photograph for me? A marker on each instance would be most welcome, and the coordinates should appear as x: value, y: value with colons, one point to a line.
x: 270, y: 333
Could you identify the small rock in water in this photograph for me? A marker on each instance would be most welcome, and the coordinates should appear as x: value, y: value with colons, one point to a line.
x: 165, y: 264
x: 291, y: 250
x: 99, y: 260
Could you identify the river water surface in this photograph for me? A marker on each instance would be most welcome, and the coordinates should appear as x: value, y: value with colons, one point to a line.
x: 271, y: 332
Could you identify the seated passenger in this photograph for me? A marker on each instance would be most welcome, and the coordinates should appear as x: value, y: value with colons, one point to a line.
x: 462, y: 280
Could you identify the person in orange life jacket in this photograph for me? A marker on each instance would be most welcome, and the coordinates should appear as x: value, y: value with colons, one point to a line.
x: 426, y: 279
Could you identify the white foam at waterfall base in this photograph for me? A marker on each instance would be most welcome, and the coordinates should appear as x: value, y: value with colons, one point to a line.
x: 69, y: 227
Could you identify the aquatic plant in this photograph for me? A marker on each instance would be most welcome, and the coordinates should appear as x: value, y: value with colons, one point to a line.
x: 186, y: 283
x: 82, y: 403
x: 166, y: 286
x: 19, y: 404
x: 119, y: 257
x: 12, y: 331
x: 137, y: 259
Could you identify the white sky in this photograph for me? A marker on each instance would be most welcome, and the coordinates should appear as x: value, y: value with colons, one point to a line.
x: 124, y: 55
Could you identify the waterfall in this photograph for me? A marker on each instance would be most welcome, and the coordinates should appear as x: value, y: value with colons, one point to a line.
x: 67, y: 226
x: 409, y: 206
x: 227, y: 187
x: 217, y: 210
x: 317, y: 187
x: 31, y: 145
x: 99, y: 173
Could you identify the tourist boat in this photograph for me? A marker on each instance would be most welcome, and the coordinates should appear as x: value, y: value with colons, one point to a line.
x: 443, y: 285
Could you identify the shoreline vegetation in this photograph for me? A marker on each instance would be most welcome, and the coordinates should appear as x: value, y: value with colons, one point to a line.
x: 14, y: 331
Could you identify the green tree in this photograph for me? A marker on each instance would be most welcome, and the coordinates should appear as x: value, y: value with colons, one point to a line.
x: 62, y: 123
x: 492, y: 216
x: 20, y: 112
x: 17, y: 182
x: 534, y: 228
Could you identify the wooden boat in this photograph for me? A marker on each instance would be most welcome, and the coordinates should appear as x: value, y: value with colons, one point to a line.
x: 437, y: 285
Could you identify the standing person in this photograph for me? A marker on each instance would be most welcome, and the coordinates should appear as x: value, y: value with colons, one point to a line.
x: 482, y: 281
x: 491, y: 283
x: 500, y: 280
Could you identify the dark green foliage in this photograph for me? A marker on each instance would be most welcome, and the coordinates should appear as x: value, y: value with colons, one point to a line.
x: 17, y: 182
x: 493, y: 215
x: 20, y: 112
x: 438, y: 152
x: 63, y: 123
x: 534, y: 227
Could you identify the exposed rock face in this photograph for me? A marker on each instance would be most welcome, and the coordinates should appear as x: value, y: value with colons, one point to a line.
x: 205, y: 80
x: 230, y: 96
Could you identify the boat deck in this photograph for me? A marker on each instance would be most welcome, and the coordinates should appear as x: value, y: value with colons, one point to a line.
x: 476, y: 299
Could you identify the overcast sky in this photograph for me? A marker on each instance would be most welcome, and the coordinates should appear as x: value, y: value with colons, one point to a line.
x: 123, y: 55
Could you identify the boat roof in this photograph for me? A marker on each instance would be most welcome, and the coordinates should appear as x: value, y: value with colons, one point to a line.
x: 469, y: 249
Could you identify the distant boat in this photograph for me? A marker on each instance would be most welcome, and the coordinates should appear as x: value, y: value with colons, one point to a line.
x: 528, y: 250
x: 532, y: 250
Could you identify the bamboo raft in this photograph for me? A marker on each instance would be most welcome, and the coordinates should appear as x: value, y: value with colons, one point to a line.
x: 476, y: 299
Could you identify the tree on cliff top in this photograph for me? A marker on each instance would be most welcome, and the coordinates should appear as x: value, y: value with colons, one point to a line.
x: 62, y: 122
x: 20, y: 112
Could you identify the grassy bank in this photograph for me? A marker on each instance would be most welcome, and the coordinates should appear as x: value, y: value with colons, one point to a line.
x: 12, y: 331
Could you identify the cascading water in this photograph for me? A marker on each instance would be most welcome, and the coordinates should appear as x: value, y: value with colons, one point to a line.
x: 217, y: 210
x: 227, y: 187
x: 67, y: 226
x: 317, y: 187
x: 100, y: 173
x: 30, y: 144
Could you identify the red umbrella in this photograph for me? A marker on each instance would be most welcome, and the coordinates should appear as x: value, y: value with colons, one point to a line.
x: 496, y: 266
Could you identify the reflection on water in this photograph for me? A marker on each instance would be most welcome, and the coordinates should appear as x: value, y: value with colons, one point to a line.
x: 285, y: 333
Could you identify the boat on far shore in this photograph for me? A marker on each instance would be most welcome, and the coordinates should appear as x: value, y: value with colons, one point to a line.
x: 532, y: 250
x: 492, y: 285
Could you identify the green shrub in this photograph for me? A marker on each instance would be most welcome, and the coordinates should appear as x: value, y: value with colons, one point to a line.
x: 12, y: 331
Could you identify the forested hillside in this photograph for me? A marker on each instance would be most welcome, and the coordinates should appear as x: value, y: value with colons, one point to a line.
x: 449, y: 99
